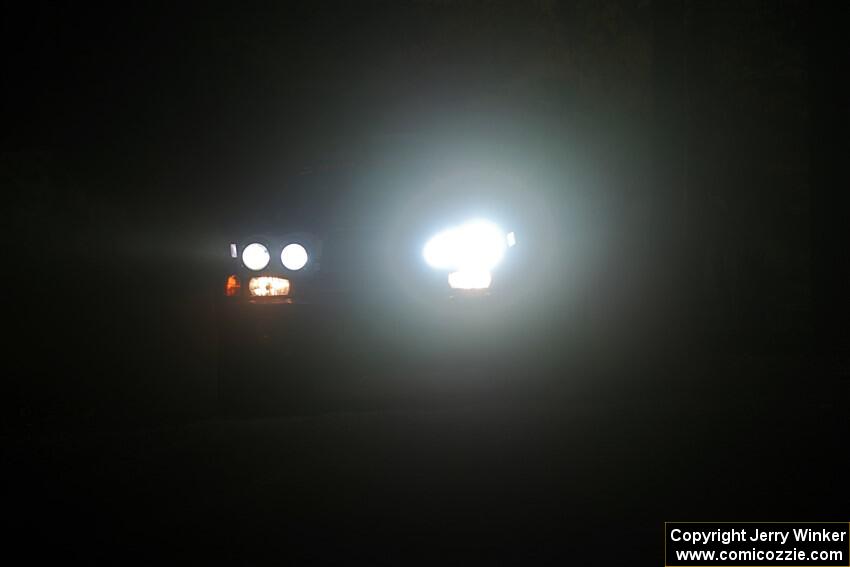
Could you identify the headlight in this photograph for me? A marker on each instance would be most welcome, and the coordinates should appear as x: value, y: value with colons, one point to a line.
x: 470, y: 279
x: 255, y: 256
x: 294, y: 256
x: 474, y: 246
x: 267, y: 286
x: 470, y: 251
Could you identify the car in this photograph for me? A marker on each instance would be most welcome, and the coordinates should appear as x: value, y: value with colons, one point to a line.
x: 343, y: 288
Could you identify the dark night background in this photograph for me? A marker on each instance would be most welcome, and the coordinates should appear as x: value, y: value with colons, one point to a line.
x: 698, y: 370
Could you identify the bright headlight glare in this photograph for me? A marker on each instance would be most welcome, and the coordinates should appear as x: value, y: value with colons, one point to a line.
x: 476, y: 246
x: 294, y: 256
x: 470, y: 279
x: 267, y: 286
x: 255, y: 256
x: 438, y: 251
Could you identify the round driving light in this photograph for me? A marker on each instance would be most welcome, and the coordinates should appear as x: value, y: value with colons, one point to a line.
x: 255, y: 256
x: 294, y: 256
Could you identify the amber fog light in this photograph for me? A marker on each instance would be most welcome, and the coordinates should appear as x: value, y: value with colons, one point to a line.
x: 268, y: 286
x: 232, y: 287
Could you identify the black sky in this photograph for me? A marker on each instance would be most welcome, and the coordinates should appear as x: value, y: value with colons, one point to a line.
x: 699, y: 144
